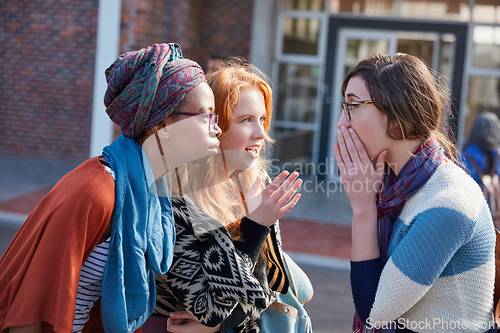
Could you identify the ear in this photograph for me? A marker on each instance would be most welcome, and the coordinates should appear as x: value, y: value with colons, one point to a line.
x: 395, y: 130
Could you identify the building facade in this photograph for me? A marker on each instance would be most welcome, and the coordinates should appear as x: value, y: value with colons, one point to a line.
x: 54, y: 52
x: 317, y: 42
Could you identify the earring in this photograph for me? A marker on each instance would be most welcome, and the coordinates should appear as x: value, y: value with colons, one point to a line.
x: 161, y: 149
x: 158, y: 140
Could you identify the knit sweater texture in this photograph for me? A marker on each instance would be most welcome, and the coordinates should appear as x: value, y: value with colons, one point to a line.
x: 441, y: 269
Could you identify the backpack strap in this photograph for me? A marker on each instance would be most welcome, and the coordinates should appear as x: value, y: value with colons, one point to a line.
x: 476, y: 166
x: 493, y: 169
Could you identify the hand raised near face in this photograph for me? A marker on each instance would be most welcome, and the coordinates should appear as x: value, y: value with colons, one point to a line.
x: 278, y: 198
x: 360, y: 178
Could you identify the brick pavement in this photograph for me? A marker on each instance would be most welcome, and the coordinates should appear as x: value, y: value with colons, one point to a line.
x: 298, y: 235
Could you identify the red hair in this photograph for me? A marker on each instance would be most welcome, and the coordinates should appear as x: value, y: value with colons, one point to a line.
x: 227, y: 83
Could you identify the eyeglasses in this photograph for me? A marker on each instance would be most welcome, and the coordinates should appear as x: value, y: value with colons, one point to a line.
x: 212, y: 121
x: 347, y: 107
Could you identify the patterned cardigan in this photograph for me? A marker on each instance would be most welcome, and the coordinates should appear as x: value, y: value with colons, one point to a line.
x: 216, y: 279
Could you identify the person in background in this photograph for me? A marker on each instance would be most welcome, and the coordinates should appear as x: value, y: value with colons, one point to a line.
x: 214, y: 63
x: 422, y: 236
x: 480, y: 156
x: 95, y: 241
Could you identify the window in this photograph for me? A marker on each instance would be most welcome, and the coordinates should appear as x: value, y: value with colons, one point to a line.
x: 297, y: 93
x: 458, y: 10
x: 318, y: 5
x: 484, y: 95
x: 369, y: 7
x: 486, y: 11
x: 486, y: 46
x: 301, y: 35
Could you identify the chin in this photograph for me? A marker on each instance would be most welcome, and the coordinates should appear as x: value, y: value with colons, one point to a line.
x: 253, y: 166
x: 244, y: 164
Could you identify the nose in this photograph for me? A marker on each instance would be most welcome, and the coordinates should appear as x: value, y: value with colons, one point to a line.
x: 343, y: 121
x: 259, y: 131
x: 217, y: 130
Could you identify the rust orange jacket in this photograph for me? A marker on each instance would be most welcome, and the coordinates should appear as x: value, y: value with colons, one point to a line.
x: 40, y: 269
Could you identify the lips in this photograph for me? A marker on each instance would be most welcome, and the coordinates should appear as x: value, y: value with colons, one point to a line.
x: 253, y: 150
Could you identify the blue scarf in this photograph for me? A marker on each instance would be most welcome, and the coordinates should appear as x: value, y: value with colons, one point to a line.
x: 142, y: 239
x: 397, y: 189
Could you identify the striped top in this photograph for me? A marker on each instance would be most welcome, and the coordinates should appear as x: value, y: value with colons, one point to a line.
x: 89, y: 285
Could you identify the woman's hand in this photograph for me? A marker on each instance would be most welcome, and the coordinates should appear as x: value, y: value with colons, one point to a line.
x: 361, y: 180
x: 277, y: 199
x: 183, y: 322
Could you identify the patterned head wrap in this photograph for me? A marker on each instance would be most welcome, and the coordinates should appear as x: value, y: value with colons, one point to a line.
x: 145, y: 86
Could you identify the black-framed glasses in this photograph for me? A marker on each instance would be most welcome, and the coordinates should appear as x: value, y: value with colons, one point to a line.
x: 347, y: 107
x: 212, y: 121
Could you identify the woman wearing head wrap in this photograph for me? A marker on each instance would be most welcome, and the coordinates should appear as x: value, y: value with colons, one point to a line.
x: 106, y: 227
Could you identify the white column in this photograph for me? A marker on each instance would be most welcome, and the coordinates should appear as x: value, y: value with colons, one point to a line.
x: 108, y: 43
x: 262, y: 42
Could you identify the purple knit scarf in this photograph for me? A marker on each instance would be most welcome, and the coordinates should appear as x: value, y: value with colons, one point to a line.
x: 397, y: 189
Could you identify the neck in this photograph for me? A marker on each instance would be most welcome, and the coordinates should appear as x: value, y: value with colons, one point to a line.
x: 400, y: 153
x: 159, y: 163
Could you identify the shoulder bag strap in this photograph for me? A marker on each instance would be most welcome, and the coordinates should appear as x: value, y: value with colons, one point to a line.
x: 475, y: 165
x: 493, y: 169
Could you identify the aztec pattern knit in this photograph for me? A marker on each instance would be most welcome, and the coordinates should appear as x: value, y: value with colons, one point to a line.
x: 441, y: 269
x: 209, y: 277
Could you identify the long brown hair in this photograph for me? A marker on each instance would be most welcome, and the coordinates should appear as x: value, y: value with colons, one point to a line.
x: 414, y: 98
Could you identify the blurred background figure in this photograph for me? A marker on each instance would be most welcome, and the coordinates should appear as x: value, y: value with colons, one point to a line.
x: 214, y: 63
x: 480, y: 157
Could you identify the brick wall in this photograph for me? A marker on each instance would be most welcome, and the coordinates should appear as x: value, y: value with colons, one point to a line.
x: 206, y: 27
x: 47, y: 51
x: 46, y: 68
x: 141, y: 23
x: 228, y: 26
